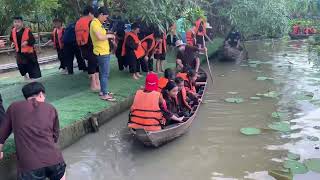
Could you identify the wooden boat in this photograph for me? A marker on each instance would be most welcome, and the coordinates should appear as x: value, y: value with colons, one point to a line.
x: 234, y: 54
x: 169, y: 133
x: 299, y: 36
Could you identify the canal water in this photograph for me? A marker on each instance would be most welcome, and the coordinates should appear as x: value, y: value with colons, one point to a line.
x: 214, y: 148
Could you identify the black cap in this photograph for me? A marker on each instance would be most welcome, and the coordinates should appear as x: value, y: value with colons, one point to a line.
x: 135, y: 26
x: 18, y: 18
x: 32, y: 89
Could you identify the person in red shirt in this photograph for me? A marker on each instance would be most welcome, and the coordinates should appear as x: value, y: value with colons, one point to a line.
x: 35, y: 126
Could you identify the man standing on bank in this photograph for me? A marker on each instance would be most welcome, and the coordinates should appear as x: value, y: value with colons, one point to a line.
x: 101, y: 50
x: 23, y: 41
x: 84, y: 42
x: 35, y: 126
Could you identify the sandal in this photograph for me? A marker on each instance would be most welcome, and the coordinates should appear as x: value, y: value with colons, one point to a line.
x: 108, y: 93
x: 108, y: 98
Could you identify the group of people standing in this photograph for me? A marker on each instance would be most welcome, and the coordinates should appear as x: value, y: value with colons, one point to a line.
x: 163, y: 101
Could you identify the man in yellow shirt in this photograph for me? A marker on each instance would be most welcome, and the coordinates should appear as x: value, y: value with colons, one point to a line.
x: 101, y: 50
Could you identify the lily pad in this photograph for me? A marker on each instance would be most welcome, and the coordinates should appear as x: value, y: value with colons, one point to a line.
x: 253, y: 65
x: 234, y: 100
x: 280, y: 175
x: 255, y: 98
x: 280, y: 126
x: 244, y: 65
x: 262, y: 78
x: 254, y: 62
x: 250, y: 131
x: 277, y: 115
x: 313, y: 138
x: 313, y: 164
x: 271, y: 94
x: 305, y: 96
x: 234, y: 93
x: 259, y: 94
x: 295, y: 167
x: 293, y: 156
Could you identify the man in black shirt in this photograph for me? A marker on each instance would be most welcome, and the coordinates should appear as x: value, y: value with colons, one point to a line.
x: 23, y: 41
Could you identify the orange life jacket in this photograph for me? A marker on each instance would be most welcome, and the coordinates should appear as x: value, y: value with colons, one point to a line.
x: 82, y: 30
x: 197, y: 28
x: 296, y: 29
x: 190, y: 37
x: 60, y: 34
x: 144, y: 44
x: 162, y: 83
x: 139, y: 52
x: 184, y: 98
x: 162, y: 46
x: 145, y: 111
x: 25, y: 37
x: 191, y: 87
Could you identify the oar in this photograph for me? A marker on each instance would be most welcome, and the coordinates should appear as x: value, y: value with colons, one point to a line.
x: 211, y: 76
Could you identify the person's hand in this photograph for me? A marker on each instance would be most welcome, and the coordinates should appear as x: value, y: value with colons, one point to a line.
x: 2, y: 43
x: 181, y: 119
x: 139, y: 43
x: 25, y: 43
x: 1, y: 155
x: 205, y: 49
x: 146, y: 58
x: 12, y: 45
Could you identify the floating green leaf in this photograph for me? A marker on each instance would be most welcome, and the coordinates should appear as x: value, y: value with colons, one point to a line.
x: 250, y: 131
x: 271, y: 94
x: 313, y: 138
x: 280, y: 126
x: 253, y: 65
x: 262, y: 78
x: 280, y: 175
x: 305, y: 95
x: 313, y: 164
x: 234, y: 93
x: 234, y: 100
x: 244, y: 65
x: 254, y: 62
x: 255, y: 98
x: 293, y: 156
x: 277, y: 115
x: 295, y: 167
x: 259, y: 94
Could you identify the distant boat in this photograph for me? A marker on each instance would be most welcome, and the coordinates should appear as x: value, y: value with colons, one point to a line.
x: 299, y: 36
x: 169, y: 133
x: 234, y: 54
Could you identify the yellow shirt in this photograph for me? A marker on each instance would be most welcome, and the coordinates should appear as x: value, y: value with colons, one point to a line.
x: 99, y: 47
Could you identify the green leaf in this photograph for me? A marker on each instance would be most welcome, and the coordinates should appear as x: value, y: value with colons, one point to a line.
x: 250, y: 131
x: 278, y: 115
x: 295, y: 167
x: 271, y: 94
x: 280, y: 175
x: 255, y: 98
x: 313, y: 164
x: 234, y: 100
x: 262, y: 78
x: 280, y: 126
x: 234, y: 93
x: 293, y: 156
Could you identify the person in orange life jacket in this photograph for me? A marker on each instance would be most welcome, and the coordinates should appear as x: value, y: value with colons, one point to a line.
x: 56, y: 39
x: 190, y: 77
x: 133, y: 51
x: 172, y: 109
x: 23, y: 41
x: 148, y: 107
x: 160, y: 52
x: 187, y: 56
x: 149, y: 44
x: 296, y: 29
x: 169, y: 75
x: 200, y: 32
x: 82, y: 30
x: 191, y: 37
x: 183, y: 100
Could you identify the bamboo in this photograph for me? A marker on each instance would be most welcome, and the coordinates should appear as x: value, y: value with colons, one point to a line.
x: 209, y: 67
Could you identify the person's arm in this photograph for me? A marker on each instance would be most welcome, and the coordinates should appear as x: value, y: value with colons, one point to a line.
x: 2, y: 111
x: 5, y: 131
x: 31, y: 41
x: 103, y: 37
x: 56, y: 127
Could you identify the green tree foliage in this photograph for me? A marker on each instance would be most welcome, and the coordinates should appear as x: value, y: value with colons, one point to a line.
x: 31, y: 10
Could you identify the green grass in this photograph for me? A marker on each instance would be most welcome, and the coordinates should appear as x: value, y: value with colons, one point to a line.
x: 71, y: 94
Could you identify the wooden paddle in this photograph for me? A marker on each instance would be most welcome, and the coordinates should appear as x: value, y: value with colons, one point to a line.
x: 211, y: 76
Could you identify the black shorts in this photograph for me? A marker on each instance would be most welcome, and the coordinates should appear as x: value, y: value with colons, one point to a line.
x: 28, y: 64
x: 87, y: 54
x: 161, y: 57
x: 55, y: 172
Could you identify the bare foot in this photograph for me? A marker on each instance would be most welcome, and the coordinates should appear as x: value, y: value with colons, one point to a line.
x: 139, y: 75
x: 135, y: 77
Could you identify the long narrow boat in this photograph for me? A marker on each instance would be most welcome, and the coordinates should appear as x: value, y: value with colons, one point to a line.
x: 169, y: 133
x: 299, y: 36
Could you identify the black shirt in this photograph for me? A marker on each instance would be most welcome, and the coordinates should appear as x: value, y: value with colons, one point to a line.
x: 2, y: 111
x: 188, y: 56
x: 31, y: 40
